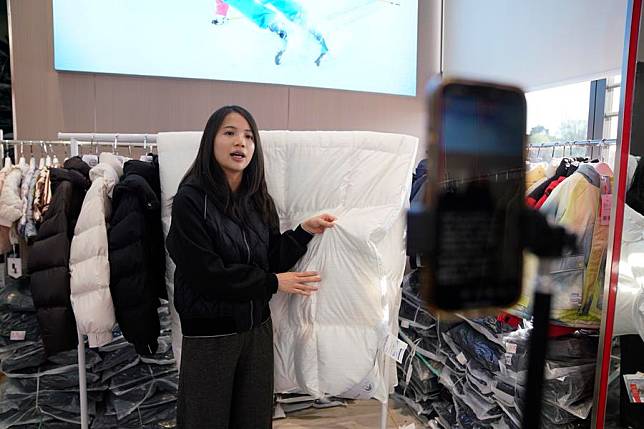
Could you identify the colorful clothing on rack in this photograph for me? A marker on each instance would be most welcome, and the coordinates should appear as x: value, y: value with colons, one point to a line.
x: 30, y: 231
x: 24, y: 196
x: 535, y: 185
x: 42, y: 196
x: 573, y: 204
x: 565, y: 169
x: 551, y: 187
x: 532, y: 176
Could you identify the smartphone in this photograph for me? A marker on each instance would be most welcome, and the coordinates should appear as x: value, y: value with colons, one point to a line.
x: 475, y: 195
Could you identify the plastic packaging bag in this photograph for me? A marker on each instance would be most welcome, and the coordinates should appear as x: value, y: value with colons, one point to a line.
x: 140, y: 374
x: 413, y: 315
x: 126, y: 401
x: 115, y: 354
x: 476, y: 346
x: 27, y: 323
x: 164, y: 354
x: 16, y: 296
x: 162, y: 416
x: 32, y: 354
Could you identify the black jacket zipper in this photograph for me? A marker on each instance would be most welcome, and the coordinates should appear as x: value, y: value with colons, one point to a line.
x: 248, y: 262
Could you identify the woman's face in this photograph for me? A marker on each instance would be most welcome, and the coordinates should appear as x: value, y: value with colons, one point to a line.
x: 234, y: 144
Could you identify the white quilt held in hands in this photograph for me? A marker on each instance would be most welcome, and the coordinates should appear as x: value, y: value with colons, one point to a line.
x: 330, y: 343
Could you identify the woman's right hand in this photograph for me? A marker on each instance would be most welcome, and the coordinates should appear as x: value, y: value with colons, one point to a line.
x: 297, y: 282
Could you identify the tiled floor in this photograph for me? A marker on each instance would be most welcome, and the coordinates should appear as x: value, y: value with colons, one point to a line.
x: 356, y: 415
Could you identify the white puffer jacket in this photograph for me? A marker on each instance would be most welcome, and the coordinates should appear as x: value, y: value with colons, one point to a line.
x: 89, y: 264
x: 10, y: 201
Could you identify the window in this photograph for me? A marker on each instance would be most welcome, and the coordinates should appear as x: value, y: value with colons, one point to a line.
x: 558, y: 114
x: 611, y: 111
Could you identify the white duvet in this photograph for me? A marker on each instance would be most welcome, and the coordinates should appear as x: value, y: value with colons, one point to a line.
x: 330, y: 343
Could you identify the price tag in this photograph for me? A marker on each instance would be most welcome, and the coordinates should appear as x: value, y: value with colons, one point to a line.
x: 508, y: 359
x: 606, y: 202
x: 395, y: 348
x: 18, y: 335
x: 14, y: 267
x: 461, y: 358
x: 409, y: 426
x: 404, y: 323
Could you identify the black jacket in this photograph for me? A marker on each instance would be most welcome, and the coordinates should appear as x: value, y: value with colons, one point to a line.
x: 49, y: 256
x: 137, y: 255
x: 224, y: 271
x: 635, y: 195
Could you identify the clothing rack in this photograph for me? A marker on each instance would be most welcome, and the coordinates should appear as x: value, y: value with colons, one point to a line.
x: 75, y: 140
x: 591, y: 144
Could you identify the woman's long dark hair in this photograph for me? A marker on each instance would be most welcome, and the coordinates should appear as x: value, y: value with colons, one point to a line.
x: 252, y: 191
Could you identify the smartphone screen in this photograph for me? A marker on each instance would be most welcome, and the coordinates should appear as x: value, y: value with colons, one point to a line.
x: 478, y: 196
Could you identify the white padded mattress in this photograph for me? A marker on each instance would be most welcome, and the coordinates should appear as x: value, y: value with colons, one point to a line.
x: 330, y: 343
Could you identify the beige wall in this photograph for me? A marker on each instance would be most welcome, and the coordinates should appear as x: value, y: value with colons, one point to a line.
x: 46, y: 101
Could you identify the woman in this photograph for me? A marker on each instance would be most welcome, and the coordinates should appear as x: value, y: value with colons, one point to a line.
x: 225, y: 242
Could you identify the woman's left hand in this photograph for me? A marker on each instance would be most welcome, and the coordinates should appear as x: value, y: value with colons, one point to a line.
x: 317, y: 224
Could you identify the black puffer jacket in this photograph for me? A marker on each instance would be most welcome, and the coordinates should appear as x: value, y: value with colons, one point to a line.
x: 49, y: 256
x: 224, y: 271
x: 137, y: 255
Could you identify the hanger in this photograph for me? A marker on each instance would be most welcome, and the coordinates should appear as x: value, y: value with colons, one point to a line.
x: 48, y: 157
x: 91, y: 159
x: 54, y: 161
x: 7, y: 161
x: 22, y: 162
x: 32, y: 158
x: 43, y: 151
x: 602, y: 167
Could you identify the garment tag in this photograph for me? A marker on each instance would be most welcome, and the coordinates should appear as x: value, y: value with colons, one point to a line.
x: 502, y: 368
x: 14, y: 266
x: 604, y: 218
x: 395, y: 348
x: 575, y: 298
x: 461, y: 358
x: 17, y: 335
x: 508, y: 359
x: 404, y: 323
x: 410, y: 370
x: 511, y: 348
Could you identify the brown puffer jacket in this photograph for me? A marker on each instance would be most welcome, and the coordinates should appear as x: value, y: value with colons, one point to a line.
x: 49, y: 256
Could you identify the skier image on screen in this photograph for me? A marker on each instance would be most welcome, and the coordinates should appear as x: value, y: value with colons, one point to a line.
x: 267, y: 14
